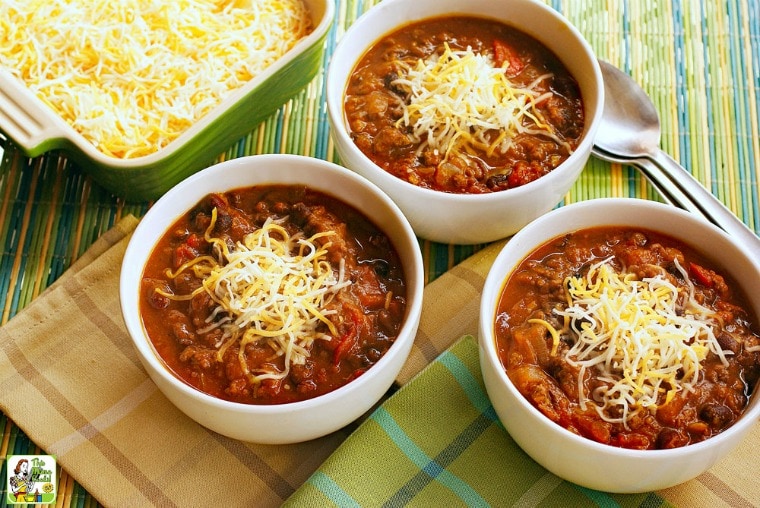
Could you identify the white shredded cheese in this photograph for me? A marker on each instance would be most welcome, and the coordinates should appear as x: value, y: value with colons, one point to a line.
x: 132, y: 75
x: 273, y: 288
x: 460, y: 100
x: 643, y: 339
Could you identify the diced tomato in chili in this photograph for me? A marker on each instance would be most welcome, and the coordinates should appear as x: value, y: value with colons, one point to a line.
x: 522, y: 174
x: 183, y: 254
x: 348, y: 339
x: 196, y: 241
x: 502, y: 52
x: 701, y: 275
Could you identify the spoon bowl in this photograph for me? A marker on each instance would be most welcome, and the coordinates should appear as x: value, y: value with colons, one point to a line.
x: 631, y: 111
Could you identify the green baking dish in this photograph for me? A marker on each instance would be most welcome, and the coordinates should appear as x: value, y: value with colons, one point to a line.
x: 37, y: 129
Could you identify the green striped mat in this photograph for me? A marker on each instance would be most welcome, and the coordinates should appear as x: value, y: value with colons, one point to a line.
x: 445, y: 445
x: 698, y: 59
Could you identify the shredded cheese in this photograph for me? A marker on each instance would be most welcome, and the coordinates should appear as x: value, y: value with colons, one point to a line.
x: 644, y: 339
x: 132, y: 75
x: 459, y: 101
x: 272, y: 287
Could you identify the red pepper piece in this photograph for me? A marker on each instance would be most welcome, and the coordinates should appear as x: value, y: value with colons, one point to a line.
x: 195, y: 241
x: 503, y: 52
x: 523, y: 173
x: 348, y: 339
x: 183, y: 254
x: 701, y: 275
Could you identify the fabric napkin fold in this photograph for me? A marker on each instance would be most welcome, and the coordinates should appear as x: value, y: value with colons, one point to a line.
x: 70, y: 379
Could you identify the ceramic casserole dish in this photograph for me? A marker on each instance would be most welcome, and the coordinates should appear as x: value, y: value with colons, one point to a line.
x: 37, y: 129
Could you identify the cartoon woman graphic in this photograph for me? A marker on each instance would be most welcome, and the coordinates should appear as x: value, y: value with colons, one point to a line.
x: 21, y: 483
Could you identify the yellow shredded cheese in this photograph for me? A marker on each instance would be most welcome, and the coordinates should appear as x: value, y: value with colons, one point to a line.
x: 132, y: 75
x: 643, y: 338
x: 458, y: 101
x: 272, y: 287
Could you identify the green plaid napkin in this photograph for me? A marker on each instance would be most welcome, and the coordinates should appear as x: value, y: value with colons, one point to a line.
x: 438, y: 442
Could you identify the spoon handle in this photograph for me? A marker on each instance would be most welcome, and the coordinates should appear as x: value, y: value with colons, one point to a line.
x: 710, y: 206
x: 667, y: 189
x: 670, y: 193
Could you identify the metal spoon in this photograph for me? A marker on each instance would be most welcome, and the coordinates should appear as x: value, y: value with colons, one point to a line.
x: 630, y: 134
x: 671, y: 194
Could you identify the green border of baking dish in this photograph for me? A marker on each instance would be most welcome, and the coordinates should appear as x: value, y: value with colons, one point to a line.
x: 37, y: 130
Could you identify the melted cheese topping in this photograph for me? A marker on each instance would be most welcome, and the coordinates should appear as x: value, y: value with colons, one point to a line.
x: 459, y: 100
x: 643, y: 338
x: 132, y: 75
x: 271, y: 287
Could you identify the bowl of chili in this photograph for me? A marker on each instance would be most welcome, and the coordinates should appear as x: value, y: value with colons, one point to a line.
x: 620, y: 343
x: 273, y: 298
x: 474, y: 118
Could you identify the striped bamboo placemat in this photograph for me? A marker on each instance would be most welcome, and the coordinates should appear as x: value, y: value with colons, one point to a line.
x: 697, y: 59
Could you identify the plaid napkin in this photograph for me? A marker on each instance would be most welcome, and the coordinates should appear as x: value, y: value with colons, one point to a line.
x: 70, y: 379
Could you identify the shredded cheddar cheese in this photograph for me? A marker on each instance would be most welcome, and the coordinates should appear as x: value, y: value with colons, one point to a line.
x: 459, y: 101
x: 644, y: 338
x: 272, y: 287
x: 132, y: 75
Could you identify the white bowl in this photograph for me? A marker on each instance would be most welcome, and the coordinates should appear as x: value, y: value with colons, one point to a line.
x: 284, y: 423
x: 459, y: 218
x: 569, y: 456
